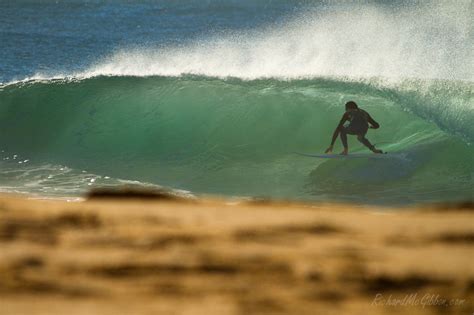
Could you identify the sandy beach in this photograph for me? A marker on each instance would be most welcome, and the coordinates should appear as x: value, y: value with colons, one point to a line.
x: 158, y: 256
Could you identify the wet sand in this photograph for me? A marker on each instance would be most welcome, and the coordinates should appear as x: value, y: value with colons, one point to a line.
x: 172, y: 256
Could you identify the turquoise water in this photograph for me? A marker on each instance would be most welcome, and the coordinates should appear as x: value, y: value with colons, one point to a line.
x: 221, y: 109
x: 236, y: 137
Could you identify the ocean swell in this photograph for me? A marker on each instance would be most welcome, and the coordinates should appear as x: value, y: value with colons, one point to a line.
x: 236, y: 137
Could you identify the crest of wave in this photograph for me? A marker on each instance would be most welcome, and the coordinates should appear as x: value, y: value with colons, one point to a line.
x: 412, y: 41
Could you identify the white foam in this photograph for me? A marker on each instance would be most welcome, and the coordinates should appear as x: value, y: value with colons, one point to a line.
x: 365, y: 41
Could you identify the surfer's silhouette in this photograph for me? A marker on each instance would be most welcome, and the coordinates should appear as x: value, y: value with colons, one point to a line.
x: 358, y: 125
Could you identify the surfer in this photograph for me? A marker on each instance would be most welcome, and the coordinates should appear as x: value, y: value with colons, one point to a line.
x: 358, y: 125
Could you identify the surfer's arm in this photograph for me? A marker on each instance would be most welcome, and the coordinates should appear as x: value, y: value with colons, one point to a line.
x: 373, y: 123
x: 336, y: 132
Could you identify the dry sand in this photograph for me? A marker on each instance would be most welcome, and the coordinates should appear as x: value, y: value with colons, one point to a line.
x: 136, y: 256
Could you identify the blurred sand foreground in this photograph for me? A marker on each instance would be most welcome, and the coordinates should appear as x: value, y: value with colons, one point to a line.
x: 112, y: 256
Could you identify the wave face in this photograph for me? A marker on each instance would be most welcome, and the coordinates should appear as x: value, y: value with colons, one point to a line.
x: 236, y: 137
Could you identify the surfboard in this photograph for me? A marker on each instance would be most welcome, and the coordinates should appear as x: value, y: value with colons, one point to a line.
x: 353, y: 156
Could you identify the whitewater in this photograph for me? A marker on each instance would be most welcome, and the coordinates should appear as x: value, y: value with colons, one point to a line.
x: 223, y: 113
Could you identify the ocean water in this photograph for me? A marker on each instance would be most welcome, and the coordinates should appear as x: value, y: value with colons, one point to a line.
x: 214, y: 97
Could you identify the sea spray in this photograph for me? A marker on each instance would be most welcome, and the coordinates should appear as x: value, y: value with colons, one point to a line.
x: 426, y: 41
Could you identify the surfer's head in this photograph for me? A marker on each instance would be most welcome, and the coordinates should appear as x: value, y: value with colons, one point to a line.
x: 351, y: 105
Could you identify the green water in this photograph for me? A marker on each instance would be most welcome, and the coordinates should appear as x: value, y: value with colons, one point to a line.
x: 235, y: 137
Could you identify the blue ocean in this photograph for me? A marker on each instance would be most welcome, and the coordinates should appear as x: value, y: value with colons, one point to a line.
x: 214, y: 97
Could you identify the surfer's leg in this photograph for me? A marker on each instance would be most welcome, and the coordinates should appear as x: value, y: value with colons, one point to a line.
x: 362, y: 139
x: 343, y: 135
x: 344, y: 131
